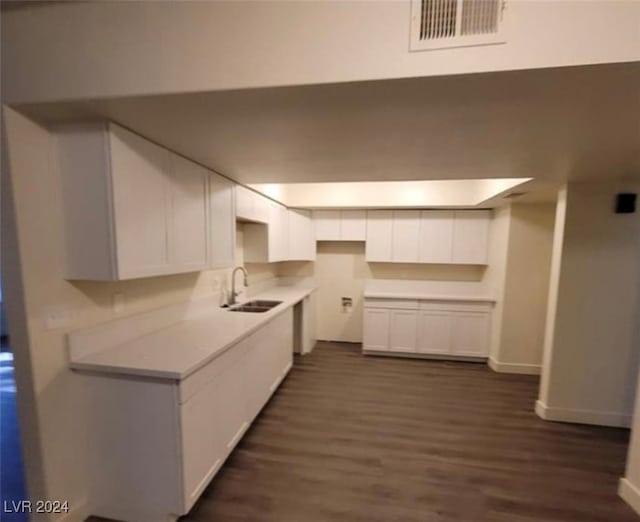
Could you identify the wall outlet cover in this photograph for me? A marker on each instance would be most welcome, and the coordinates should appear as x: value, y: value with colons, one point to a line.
x: 57, y: 317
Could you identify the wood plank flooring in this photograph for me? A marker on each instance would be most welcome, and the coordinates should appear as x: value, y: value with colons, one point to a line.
x: 349, y: 438
x: 354, y: 438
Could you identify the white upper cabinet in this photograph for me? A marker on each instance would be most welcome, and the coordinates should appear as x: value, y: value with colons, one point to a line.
x: 340, y: 225
x: 327, y: 225
x: 379, y: 241
x: 222, y: 222
x: 268, y: 243
x: 278, y: 232
x: 251, y: 206
x: 429, y: 236
x: 406, y: 235
x: 471, y: 237
x: 436, y: 236
x: 302, y: 243
x: 189, y: 212
x: 132, y: 208
x: 141, y: 183
x: 353, y: 225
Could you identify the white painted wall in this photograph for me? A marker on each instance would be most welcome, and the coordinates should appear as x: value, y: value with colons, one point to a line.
x: 496, y: 269
x: 525, y: 289
x: 341, y: 270
x: 630, y: 484
x: 591, y: 345
x: 50, y: 397
x: 105, y: 49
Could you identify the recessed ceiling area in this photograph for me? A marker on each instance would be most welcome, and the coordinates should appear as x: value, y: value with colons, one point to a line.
x: 390, y: 194
x: 551, y: 125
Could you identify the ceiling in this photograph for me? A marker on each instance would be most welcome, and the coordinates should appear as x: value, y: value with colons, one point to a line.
x: 550, y: 125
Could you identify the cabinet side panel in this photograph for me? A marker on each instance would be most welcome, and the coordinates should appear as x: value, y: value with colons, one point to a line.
x: 134, y: 449
x: 81, y: 153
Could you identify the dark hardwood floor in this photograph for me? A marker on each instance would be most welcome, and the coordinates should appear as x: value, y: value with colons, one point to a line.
x: 367, y: 439
x: 354, y: 438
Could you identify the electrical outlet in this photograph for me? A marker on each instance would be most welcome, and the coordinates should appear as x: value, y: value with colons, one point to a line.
x: 215, y: 283
x: 56, y: 317
x: 347, y: 305
x: 119, y: 303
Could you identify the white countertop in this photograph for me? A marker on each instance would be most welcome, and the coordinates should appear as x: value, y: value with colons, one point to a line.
x: 428, y: 290
x: 178, y: 350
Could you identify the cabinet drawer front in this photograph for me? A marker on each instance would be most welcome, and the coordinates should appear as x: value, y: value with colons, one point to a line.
x: 463, y: 306
x: 390, y: 304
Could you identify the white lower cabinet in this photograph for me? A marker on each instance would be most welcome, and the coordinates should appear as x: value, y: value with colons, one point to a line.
x: 470, y: 334
x: 450, y: 329
x: 376, y: 330
x: 157, y: 443
x: 403, y: 330
x: 434, y: 332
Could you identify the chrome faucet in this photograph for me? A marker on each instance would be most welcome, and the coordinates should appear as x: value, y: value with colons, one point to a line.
x: 234, y: 294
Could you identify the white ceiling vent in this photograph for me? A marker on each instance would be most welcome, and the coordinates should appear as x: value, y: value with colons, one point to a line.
x: 438, y: 24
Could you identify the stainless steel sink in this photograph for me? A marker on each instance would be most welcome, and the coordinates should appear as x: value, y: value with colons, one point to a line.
x: 257, y: 306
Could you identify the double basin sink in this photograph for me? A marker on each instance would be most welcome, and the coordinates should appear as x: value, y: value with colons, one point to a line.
x: 257, y: 306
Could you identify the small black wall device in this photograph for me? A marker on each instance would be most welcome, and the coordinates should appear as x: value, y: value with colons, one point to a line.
x: 625, y: 203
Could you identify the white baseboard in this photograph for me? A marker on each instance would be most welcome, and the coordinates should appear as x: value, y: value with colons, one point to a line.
x: 523, y: 369
x: 630, y: 494
x: 598, y: 418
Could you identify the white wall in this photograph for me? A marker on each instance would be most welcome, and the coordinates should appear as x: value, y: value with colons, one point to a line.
x: 50, y: 399
x: 64, y: 50
x: 341, y: 270
x: 630, y: 484
x: 525, y: 289
x: 591, y: 344
x: 496, y: 270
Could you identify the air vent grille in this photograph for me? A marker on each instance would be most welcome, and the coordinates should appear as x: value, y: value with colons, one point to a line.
x: 439, y: 24
x: 480, y: 16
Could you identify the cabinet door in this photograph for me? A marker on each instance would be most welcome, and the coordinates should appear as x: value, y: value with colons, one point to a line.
x: 379, y: 236
x: 403, y: 330
x: 213, y: 421
x: 278, y: 233
x: 376, y: 329
x: 353, y: 225
x: 470, y: 333
x: 470, y: 237
x: 222, y: 222
x: 327, y: 225
x: 189, y: 215
x: 406, y: 232
x: 436, y: 236
x: 244, y: 202
x: 301, y: 239
x: 140, y: 183
x: 434, y: 332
